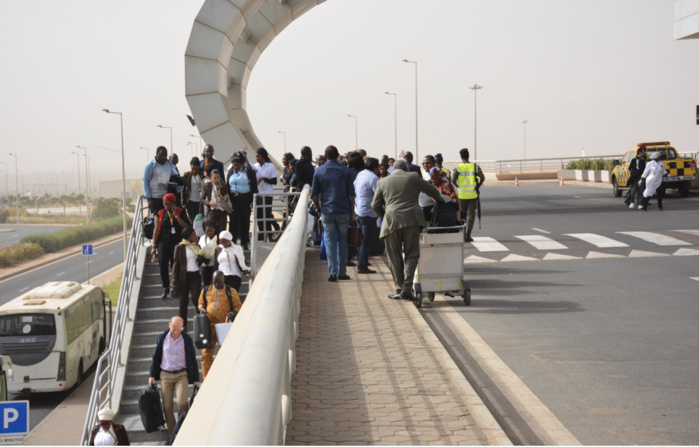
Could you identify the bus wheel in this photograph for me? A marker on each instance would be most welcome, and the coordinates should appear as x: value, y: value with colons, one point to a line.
x: 101, y: 346
x: 79, y: 380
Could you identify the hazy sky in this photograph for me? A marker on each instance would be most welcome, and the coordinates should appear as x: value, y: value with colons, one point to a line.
x: 598, y: 74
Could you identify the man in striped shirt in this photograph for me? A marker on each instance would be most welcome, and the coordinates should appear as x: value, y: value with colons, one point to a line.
x: 175, y: 365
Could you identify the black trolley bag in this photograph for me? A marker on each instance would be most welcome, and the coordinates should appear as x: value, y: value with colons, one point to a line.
x: 151, y: 409
x: 202, y: 332
x: 444, y: 215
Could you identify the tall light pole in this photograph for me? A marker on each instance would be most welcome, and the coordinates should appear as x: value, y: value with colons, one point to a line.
x: 281, y: 131
x: 172, y: 148
x: 147, y: 154
x: 123, y: 178
x: 356, y: 132
x: 395, y: 115
x: 415, y: 62
x: 87, y: 183
x: 77, y: 154
x: 475, y: 88
x: 16, y: 184
x: 525, y: 138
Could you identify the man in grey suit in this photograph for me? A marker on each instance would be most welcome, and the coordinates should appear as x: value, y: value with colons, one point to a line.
x: 396, y: 201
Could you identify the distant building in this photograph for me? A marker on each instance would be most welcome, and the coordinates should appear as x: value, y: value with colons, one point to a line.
x: 113, y: 188
x: 687, y: 19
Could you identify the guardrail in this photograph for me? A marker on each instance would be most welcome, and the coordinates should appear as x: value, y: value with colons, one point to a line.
x: 109, y: 362
x: 246, y: 397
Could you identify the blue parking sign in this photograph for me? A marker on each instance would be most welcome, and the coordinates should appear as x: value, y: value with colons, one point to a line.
x: 87, y: 249
x: 14, y: 417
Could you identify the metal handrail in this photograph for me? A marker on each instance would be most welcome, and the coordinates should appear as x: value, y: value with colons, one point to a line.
x: 110, y: 361
x: 246, y: 397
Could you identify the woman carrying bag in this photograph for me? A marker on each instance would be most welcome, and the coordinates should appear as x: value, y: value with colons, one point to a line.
x: 169, y: 223
x: 216, y: 201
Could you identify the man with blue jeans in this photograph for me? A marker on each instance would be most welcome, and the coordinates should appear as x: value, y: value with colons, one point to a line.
x: 364, y: 188
x: 333, y: 197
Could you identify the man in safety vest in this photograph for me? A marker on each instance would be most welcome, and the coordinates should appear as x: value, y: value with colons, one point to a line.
x: 467, y: 177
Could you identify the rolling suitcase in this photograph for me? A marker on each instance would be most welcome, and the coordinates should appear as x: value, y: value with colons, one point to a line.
x: 202, y: 332
x: 151, y: 409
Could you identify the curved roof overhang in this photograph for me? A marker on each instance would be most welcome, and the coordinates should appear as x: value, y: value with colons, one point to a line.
x: 227, y: 39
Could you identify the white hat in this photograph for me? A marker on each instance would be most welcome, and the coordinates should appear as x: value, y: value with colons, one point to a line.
x: 655, y: 155
x: 106, y: 414
x: 226, y: 235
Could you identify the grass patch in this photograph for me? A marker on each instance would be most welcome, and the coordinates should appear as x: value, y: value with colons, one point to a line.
x: 113, y: 289
x: 76, y: 235
x: 18, y: 253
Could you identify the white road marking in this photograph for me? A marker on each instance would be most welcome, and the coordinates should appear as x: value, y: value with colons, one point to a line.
x: 477, y: 260
x: 61, y: 274
x: 15, y: 235
x: 541, y: 231
x: 686, y: 252
x: 598, y: 255
x: 110, y: 253
x: 22, y: 290
x: 558, y: 257
x: 655, y: 238
x: 485, y: 243
x: 542, y: 242
x: 695, y: 279
x: 645, y: 254
x: 517, y: 258
x: 599, y: 241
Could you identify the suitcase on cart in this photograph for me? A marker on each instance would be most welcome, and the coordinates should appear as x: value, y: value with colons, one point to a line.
x: 151, y: 409
x: 202, y: 332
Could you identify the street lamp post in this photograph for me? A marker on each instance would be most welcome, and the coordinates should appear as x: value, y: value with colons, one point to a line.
x: 172, y: 148
x: 415, y: 62
x: 16, y: 184
x: 87, y: 183
x: 356, y: 132
x: 123, y: 178
x: 475, y: 88
x: 281, y: 131
x: 525, y: 138
x: 395, y: 119
x: 147, y: 154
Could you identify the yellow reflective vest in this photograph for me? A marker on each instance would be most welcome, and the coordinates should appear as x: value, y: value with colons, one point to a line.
x: 467, y: 181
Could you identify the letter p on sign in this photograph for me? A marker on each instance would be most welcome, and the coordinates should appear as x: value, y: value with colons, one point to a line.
x: 9, y: 415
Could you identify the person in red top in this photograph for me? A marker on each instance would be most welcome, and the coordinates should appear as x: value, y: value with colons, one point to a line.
x: 169, y: 223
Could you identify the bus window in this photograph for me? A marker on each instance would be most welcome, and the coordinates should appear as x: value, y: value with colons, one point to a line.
x: 27, y: 324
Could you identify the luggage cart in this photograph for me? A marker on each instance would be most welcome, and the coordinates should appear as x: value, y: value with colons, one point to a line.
x: 441, y: 265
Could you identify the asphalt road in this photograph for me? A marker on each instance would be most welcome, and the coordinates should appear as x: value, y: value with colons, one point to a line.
x: 73, y: 268
x: 597, y: 315
x: 11, y: 234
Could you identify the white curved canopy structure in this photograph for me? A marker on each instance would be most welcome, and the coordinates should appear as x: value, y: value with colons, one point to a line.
x: 227, y: 39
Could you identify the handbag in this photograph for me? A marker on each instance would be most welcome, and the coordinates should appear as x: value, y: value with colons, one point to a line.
x: 148, y: 226
x: 354, y: 237
x: 174, y: 292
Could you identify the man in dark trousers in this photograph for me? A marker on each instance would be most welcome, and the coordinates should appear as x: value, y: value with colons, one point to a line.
x: 396, y: 201
x: 636, y: 167
x: 468, y: 178
x: 175, y: 365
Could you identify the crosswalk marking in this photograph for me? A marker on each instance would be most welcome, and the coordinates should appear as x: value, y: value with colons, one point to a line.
x: 477, y: 260
x: 598, y: 255
x: 558, y: 257
x: 542, y: 242
x: 541, y: 231
x: 484, y: 243
x: 686, y: 252
x: 655, y: 238
x: 517, y: 258
x: 599, y: 241
x: 645, y: 254
x: 695, y: 279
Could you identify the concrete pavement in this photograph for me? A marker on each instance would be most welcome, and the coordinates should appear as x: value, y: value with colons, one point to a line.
x: 370, y: 371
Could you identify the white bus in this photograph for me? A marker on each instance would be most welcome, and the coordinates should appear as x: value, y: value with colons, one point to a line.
x: 53, y: 334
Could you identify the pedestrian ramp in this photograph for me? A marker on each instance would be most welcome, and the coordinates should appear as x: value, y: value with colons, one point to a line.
x: 567, y: 246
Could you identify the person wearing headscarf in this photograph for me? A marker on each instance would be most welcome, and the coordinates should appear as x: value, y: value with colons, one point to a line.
x: 266, y: 177
x: 106, y: 432
x: 230, y: 259
x: 653, y: 178
x: 185, y: 271
x: 169, y: 223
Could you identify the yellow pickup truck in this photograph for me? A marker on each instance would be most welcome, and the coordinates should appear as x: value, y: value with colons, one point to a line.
x: 681, y: 171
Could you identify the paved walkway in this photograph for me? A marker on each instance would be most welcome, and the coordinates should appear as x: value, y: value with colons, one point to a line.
x: 370, y: 370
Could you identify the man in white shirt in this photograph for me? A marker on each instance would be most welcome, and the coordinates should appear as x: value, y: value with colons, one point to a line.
x: 364, y: 189
x: 266, y: 177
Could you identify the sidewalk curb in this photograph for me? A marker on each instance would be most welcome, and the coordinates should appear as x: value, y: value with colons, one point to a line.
x: 49, y: 258
x: 482, y: 416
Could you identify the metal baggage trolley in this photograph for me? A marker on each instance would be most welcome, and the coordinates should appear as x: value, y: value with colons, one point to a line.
x: 441, y: 265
